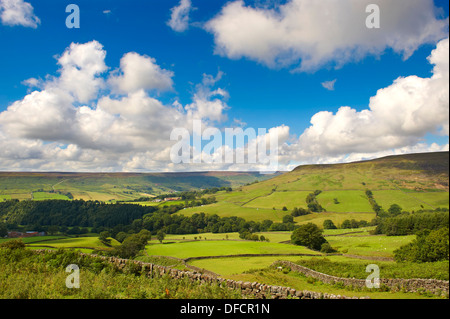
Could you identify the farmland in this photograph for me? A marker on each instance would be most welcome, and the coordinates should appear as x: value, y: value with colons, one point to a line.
x: 207, y: 230
x: 114, y: 186
x: 392, y: 180
x: 258, y: 268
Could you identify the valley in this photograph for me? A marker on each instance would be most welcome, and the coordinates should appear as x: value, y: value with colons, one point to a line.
x: 238, y: 226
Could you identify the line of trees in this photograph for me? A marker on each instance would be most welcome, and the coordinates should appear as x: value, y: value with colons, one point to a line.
x: 376, y: 208
x: 313, y: 204
x: 412, y: 223
x: 79, y: 217
x: 430, y: 227
x: 78, y: 213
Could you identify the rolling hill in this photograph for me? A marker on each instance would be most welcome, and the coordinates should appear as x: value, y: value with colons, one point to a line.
x: 113, y: 186
x: 413, y: 181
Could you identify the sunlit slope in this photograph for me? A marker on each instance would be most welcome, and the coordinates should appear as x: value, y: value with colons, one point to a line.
x: 113, y: 186
x: 413, y: 181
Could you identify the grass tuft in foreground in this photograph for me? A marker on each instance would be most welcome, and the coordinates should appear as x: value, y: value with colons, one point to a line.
x: 27, y: 275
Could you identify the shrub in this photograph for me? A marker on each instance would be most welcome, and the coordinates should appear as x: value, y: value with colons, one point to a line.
x: 308, y: 235
x: 428, y: 246
x: 327, y: 249
x: 13, y: 244
x: 328, y: 224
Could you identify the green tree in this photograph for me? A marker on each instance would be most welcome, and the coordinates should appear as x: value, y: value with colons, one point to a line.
x: 145, y: 235
x: 103, y: 237
x: 160, y: 235
x: 394, y: 210
x: 288, y: 219
x: 308, y: 235
x: 346, y: 224
x: 3, y: 230
x: 53, y: 229
x: 429, y: 246
x: 120, y: 237
x: 131, y: 246
x: 328, y: 224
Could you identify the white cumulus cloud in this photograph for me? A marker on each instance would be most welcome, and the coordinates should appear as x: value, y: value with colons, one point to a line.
x: 308, y: 34
x: 140, y: 72
x: 18, y: 12
x: 399, y: 117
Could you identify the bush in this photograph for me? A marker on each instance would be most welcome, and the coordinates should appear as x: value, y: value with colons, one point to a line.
x: 327, y: 249
x: 13, y: 244
x: 308, y: 235
x: 328, y: 224
x: 428, y: 246
x: 299, y: 212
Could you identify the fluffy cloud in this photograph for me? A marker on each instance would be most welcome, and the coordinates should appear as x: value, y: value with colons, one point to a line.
x: 307, y: 34
x: 398, y: 118
x: 87, y: 118
x: 140, y: 72
x: 81, y: 67
x: 114, y: 121
x: 207, y: 103
x: 18, y: 12
x: 179, y: 18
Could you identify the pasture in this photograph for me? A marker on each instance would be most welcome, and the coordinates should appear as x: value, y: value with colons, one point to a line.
x: 83, y: 243
x: 48, y: 196
x: 410, y: 201
x: 227, y: 209
x: 222, y: 247
x: 373, y: 246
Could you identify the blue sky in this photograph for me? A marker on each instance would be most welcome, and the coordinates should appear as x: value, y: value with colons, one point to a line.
x: 270, y: 73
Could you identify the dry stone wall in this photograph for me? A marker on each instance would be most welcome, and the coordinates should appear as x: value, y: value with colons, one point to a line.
x: 264, y: 291
x: 407, y: 285
x: 248, y: 289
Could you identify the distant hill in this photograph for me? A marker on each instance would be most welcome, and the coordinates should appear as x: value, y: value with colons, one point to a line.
x: 418, y: 171
x: 114, y: 186
x: 413, y: 181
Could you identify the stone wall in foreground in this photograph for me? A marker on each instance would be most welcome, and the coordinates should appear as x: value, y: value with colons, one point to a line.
x: 407, y: 285
x: 264, y: 291
x: 250, y: 289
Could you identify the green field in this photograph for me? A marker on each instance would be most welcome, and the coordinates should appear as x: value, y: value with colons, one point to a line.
x: 398, y: 180
x: 410, y: 201
x: 4, y: 197
x: 378, y: 246
x: 226, y: 209
x: 117, y: 186
x: 223, y: 247
x: 347, y: 201
x: 47, y: 196
x: 88, y: 243
x: 279, y: 200
x: 228, y: 267
x: 208, y: 244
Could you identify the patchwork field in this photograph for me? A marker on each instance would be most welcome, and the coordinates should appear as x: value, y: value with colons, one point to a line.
x: 413, y: 182
x: 117, y: 186
x: 393, y: 180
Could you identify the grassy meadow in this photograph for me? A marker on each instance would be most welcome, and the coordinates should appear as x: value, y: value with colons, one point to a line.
x: 223, y: 247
